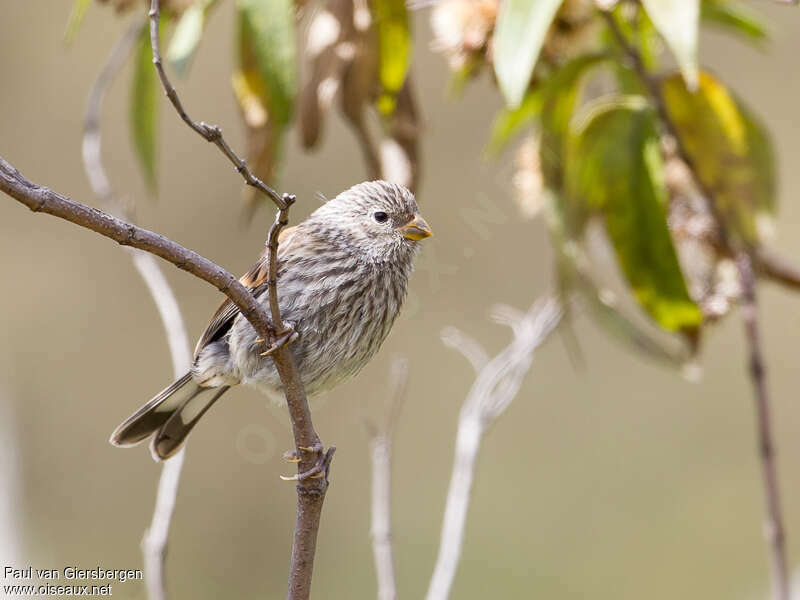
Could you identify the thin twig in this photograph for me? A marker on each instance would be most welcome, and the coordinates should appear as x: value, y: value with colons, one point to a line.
x: 776, y: 268
x: 154, y: 541
x: 496, y: 384
x: 774, y: 529
x: 381, y: 440
x: 312, y: 470
x: 211, y: 133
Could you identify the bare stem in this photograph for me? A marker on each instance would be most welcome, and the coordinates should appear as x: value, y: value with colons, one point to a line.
x: 747, y: 260
x: 496, y: 384
x: 381, y: 440
x: 308, y: 447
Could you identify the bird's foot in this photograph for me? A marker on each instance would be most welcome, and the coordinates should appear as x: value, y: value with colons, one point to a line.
x: 282, y: 338
x: 321, y: 465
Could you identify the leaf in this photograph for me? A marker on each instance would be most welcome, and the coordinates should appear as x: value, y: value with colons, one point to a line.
x: 608, y: 315
x: 186, y: 37
x: 394, y: 50
x: 573, y: 274
x: 561, y: 95
x: 678, y: 22
x: 75, y: 19
x: 736, y: 18
x: 267, y: 51
x: 614, y: 166
x: 263, y: 135
x: 145, y: 95
x: 518, y: 37
x: 552, y: 99
x: 510, y: 122
x: 730, y: 150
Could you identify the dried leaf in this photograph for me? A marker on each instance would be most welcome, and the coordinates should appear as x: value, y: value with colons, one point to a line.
x: 330, y: 29
x: 730, y: 149
x: 400, y: 151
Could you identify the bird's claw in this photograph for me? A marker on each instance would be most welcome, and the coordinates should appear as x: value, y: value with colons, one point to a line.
x: 321, y: 466
x: 291, y: 456
x: 283, y: 338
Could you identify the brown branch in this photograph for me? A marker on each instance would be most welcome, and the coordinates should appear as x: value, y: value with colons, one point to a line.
x: 774, y: 529
x: 312, y: 470
x: 746, y: 263
x: 156, y: 536
x: 45, y: 200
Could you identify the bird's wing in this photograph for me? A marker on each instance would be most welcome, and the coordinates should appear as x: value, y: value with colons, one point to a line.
x: 254, y: 280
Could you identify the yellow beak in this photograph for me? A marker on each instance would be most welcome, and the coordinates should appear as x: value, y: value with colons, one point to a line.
x: 416, y: 229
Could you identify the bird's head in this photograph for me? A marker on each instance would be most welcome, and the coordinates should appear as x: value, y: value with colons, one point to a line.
x: 381, y: 219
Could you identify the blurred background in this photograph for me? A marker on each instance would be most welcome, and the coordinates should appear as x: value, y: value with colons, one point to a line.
x: 620, y: 480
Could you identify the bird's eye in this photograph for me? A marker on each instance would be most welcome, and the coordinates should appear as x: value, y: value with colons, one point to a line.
x: 380, y: 217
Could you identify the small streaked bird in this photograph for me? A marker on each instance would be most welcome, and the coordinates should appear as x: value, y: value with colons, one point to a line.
x: 342, y: 279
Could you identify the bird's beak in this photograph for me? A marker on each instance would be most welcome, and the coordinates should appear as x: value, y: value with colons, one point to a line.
x: 416, y: 229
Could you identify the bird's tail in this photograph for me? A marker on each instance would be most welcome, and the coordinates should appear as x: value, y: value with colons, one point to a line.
x: 170, y: 415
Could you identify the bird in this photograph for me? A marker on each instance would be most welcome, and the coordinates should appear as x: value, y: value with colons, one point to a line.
x: 342, y: 277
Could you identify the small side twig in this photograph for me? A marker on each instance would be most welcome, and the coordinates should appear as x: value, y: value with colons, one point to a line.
x: 313, y: 459
x: 777, y: 268
x: 154, y: 541
x: 747, y: 261
x: 497, y: 383
x: 381, y: 440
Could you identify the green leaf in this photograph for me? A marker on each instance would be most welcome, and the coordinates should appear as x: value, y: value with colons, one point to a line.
x: 678, y: 22
x: 735, y: 18
x: 145, y: 95
x: 561, y: 94
x: 75, y: 19
x: 730, y: 150
x: 186, y: 37
x: 394, y: 49
x: 552, y: 99
x: 614, y: 166
x: 510, y: 122
x: 573, y: 270
x: 267, y: 49
x: 607, y: 314
x: 518, y: 37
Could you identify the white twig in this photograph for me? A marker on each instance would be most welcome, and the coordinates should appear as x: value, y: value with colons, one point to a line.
x: 154, y: 542
x: 9, y: 475
x: 497, y: 383
x: 381, y: 454
x: 168, y: 310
